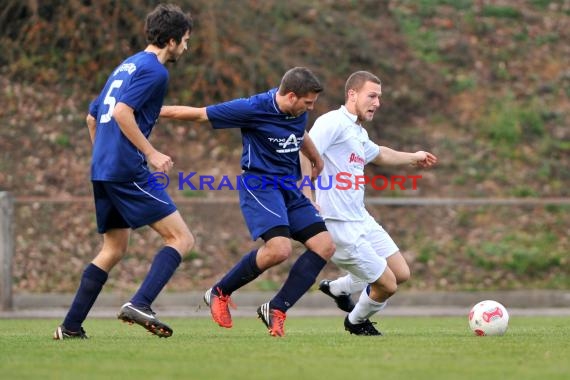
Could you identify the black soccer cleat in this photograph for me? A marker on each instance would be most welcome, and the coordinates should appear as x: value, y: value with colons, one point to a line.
x: 145, y: 317
x: 364, y: 328
x: 62, y: 333
x: 344, y: 302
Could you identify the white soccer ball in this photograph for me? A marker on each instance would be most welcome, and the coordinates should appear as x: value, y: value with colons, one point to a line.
x: 488, y: 318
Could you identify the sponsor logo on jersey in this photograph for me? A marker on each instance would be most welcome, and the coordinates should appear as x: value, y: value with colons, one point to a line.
x: 355, y: 158
x: 287, y: 145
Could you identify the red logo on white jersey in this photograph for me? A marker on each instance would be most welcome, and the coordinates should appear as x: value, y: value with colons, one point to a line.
x: 356, y: 158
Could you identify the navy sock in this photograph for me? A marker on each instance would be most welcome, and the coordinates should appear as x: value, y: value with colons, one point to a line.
x: 92, y: 282
x: 245, y: 271
x: 163, y: 267
x: 301, y: 277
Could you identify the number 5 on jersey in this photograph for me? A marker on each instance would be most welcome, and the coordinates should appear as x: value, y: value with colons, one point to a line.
x: 110, y: 101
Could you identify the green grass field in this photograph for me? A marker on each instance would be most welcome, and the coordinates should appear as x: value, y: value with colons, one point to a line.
x: 314, y: 348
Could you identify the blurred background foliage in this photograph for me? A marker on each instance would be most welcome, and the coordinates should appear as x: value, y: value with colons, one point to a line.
x: 484, y: 84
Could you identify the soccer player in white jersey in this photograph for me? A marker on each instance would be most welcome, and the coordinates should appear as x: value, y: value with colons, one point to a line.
x: 363, y: 247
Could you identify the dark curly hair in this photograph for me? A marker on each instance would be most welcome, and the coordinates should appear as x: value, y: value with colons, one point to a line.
x: 165, y: 22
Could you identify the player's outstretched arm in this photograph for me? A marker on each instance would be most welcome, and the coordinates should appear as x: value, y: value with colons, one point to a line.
x: 184, y: 113
x: 391, y: 157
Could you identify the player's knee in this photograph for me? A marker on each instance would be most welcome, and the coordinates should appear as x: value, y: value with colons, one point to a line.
x: 187, y: 241
x: 380, y: 291
x: 182, y: 242
x: 328, y: 249
x: 277, y: 253
x: 282, y: 253
x: 322, y: 244
x: 390, y: 288
x: 403, y: 276
x: 387, y: 284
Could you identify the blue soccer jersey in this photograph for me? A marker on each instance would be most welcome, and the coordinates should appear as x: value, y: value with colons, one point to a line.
x: 141, y: 83
x: 271, y: 139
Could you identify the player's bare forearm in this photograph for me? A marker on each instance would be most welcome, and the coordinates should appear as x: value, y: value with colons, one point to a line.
x: 312, y: 154
x: 306, y: 166
x: 306, y: 171
x: 125, y: 118
x: 91, y: 126
x: 391, y: 157
x: 184, y: 113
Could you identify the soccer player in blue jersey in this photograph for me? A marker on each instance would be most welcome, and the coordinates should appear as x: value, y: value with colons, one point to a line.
x: 120, y: 121
x: 273, y: 132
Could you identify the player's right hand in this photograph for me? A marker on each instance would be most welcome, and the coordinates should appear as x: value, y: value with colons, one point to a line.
x: 161, y: 162
x: 425, y: 159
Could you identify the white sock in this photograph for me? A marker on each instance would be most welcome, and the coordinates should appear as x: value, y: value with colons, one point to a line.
x: 365, y: 308
x: 347, y: 285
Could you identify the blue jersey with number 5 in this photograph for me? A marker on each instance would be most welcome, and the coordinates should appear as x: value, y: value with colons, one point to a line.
x: 140, y: 82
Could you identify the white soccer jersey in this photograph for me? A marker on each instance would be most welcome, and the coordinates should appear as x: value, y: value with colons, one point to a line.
x: 345, y: 148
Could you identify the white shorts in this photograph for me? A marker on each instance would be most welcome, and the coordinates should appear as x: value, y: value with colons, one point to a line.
x: 361, y: 247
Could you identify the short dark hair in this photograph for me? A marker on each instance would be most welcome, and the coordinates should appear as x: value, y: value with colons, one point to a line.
x: 166, y: 22
x: 300, y: 81
x: 357, y: 79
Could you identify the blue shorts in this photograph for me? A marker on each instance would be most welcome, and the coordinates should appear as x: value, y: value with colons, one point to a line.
x: 129, y: 204
x: 266, y: 207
